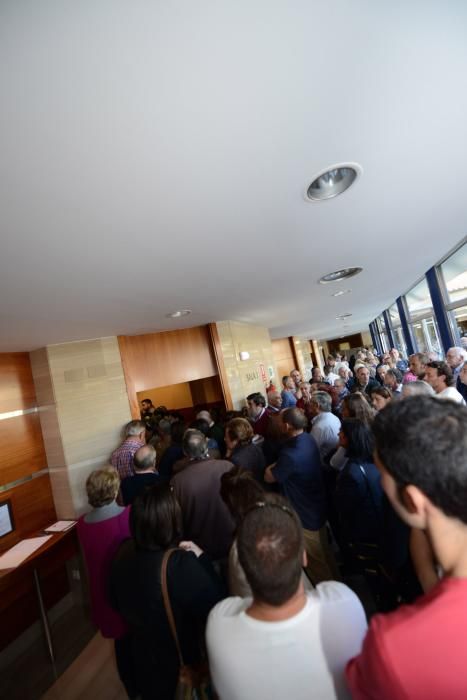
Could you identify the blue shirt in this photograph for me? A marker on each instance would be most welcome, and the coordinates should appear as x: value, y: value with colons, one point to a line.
x: 288, y: 399
x: 299, y: 473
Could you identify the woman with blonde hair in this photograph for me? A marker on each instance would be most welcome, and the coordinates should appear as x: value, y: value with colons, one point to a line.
x: 101, y: 532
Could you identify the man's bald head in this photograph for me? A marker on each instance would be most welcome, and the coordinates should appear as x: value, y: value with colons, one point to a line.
x: 145, y: 458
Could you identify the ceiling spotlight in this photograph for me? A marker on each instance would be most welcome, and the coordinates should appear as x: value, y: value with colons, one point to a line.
x: 341, y: 292
x: 177, y: 314
x: 342, y: 317
x: 340, y: 275
x: 333, y: 181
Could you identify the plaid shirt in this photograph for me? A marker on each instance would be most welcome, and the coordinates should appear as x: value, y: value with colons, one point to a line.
x: 122, y: 458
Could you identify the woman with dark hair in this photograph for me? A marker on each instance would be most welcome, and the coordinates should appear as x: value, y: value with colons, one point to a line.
x: 241, y: 450
x: 239, y: 491
x: 380, y: 397
x: 354, y: 405
x: 358, y: 495
x: 135, y: 583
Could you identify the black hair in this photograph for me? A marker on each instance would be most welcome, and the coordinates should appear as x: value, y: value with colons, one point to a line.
x: 270, y: 549
x: 443, y: 368
x: 156, y: 518
x: 360, y: 442
x: 240, y: 491
x: 257, y: 398
x: 422, y: 440
x: 201, y: 425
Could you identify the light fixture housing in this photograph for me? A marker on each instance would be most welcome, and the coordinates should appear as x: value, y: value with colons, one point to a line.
x: 339, y: 275
x: 332, y: 181
x: 178, y: 314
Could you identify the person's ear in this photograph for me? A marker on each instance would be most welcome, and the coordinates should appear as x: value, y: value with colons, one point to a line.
x: 304, y: 559
x: 415, y: 502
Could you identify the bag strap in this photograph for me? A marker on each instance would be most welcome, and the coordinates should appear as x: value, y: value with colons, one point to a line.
x: 167, y: 605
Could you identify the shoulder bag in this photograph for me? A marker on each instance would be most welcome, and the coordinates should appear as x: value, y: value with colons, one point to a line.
x: 194, y: 682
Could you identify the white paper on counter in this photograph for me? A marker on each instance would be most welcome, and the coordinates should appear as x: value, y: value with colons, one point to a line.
x: 21, y: 551
x: 60, y: 526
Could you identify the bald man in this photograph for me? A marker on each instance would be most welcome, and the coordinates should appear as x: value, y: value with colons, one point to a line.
x: 145, y: 476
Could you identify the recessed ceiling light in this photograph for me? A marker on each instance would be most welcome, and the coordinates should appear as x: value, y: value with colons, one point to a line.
x: 177, y: 314
x: 338, y: 275
x: 333, y: 181
x: 343, y: 316
x: 341, y: 292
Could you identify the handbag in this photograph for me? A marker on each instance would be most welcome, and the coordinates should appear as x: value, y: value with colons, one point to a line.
x: 194, y: 682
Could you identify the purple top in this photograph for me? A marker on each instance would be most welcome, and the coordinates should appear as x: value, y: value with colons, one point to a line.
x: 99, y: 542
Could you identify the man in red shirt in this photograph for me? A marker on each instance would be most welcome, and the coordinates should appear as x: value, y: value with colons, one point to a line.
x: 418, y: 652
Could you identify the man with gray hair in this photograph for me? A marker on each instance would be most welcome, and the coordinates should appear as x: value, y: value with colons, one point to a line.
x: 206, y: 519
x: 145, y: 476
x: 455, y: 358
x: 122, y: 457
x: 325, y: 425
x: 417, y: 388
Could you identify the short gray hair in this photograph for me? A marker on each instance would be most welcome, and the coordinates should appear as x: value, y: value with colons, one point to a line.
x: 417, y: 388
x: 460, y: 352
x: 323, y: 400
x: 134, y: 427
x: 195, y: 444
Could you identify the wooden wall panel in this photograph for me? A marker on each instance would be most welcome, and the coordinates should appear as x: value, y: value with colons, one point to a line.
x: 33, y: 508
x: 284, y: 357
x: 206, y: 391
x: 16, y: 383
x: 21, y: 447
x: 172, y: 397
x: 159, y: 359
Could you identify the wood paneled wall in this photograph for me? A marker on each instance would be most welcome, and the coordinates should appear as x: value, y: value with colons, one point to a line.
x: 22, y: 451
x: 159, y: 359
x: 355, y: 341
x: 284, y: 357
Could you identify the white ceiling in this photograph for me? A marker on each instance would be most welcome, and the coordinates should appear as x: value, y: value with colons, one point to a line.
x: 154, y: 156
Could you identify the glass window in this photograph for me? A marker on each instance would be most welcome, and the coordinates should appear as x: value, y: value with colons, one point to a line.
x: 381, y: 327
x: 398, y: 335
x: 394, y: 316
x: 422, y: 319
x: 454, y: 272
x: 419, y: 301
x: 458, y: 319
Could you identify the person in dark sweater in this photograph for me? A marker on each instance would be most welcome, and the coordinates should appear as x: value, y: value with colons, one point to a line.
x: 136, y: 593
x: 241, y: 450
x: 145, y: 476
x: 206, y: 519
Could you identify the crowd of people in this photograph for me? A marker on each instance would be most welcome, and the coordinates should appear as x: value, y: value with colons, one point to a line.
x: 262, y: 526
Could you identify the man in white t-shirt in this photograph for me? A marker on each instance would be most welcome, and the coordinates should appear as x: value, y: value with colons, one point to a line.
x: 284, y: 643
x: 439, y: 376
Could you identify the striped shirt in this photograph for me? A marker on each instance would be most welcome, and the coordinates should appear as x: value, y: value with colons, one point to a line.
x: 122, y: 458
